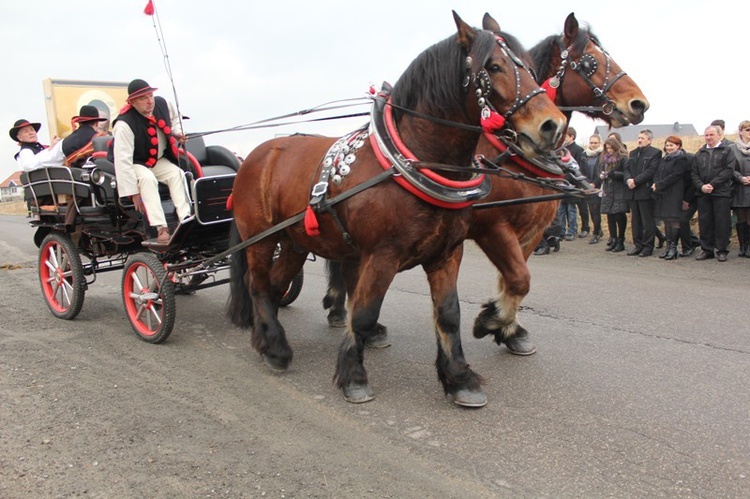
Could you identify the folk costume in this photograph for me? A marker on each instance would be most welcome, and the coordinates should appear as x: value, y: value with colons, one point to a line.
x: 78, y: 147
x: 145, y: 153
x: 33, y: 156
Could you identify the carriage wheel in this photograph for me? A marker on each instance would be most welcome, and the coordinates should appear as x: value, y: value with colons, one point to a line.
x: 61, y: 276
x: 295, y: 287
x: 148, y: 296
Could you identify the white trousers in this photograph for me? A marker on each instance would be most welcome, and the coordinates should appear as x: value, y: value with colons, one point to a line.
x: 168, y: 173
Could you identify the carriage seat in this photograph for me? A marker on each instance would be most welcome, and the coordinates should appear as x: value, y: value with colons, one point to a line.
x: 101, y: 145
x: 55, y: 188
x: 214, y: 160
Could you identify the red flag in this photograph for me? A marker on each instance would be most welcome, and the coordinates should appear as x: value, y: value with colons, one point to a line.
x: 149, y: 10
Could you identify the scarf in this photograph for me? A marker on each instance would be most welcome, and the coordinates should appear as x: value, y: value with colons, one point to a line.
x: 742, y: 147
x: 678, y: 152
x: 593, y: 152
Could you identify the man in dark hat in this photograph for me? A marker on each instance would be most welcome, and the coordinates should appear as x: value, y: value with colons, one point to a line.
x: 33, y: 154
x: 78, y: 147
x: 145, y: 153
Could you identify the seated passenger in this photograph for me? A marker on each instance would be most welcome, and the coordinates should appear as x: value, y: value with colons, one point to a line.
x: 145, y: 153
x: 73, y: 150
x: 34, y: 155
x: 78, y: 147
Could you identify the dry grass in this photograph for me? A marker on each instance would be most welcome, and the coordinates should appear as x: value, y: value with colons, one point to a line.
x: 13, y: 208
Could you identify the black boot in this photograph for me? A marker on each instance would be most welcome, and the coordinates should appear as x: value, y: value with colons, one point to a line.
x: 610, y: 244
x: 542, y: 248
x: 660, y: 236
x: 671, y: 253
x: 742, y: 237
x: 619, y: 245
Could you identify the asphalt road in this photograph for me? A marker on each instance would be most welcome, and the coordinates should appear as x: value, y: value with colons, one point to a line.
x: 639, y: 388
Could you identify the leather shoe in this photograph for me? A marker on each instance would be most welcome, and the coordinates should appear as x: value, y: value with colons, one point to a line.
x: 570, y: 237
x: 687, y: 252
x: 583, y: 234
x: 645, y: 253
x: 705, y: 255
x: 721, y: 257
x: 163, y: 235
x: 595, y: 239
x: 635, y: 251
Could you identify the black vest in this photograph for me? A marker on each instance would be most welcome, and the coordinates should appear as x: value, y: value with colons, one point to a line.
x: 145, y: 135
x: 36, y: 148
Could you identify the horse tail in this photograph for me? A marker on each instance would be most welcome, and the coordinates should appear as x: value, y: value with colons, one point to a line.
x: 239, y: 308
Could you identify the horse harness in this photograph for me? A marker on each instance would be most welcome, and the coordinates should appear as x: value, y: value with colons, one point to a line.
x: 586, y: 67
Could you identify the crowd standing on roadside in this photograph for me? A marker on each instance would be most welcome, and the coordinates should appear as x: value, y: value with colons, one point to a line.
x: 668, y: 186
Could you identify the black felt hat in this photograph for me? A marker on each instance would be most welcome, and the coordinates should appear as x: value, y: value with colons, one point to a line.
x: 88, y: 113
x: 138, y: 88
x: 20, y: 124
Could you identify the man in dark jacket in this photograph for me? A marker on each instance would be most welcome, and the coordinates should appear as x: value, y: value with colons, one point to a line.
x: 639, y: 173
x: 712, y: 171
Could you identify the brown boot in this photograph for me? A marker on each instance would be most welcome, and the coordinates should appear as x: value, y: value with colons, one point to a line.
x: 163, y: 235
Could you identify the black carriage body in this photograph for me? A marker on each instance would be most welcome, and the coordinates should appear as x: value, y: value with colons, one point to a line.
x: 84, y: 228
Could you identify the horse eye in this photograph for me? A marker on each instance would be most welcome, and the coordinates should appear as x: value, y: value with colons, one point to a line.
x: 495, y: 68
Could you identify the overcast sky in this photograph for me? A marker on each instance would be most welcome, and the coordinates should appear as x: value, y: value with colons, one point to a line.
x: 236, y: 62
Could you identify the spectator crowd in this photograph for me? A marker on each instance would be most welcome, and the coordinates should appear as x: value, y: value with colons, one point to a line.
x: 661, y: 188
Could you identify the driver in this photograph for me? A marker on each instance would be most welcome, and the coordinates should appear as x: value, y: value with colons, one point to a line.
x: 145, y: 153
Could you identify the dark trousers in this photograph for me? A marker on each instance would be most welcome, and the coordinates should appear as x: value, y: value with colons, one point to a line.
x: 617, y: 222
x: 714, y: 222
x: 595, y: 212
x: 686, y: 233
x: 583, y: 210
x: 643, y: 223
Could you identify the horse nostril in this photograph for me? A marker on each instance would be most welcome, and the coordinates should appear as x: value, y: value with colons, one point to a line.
x: 638, y: 106
x: 550, y: 130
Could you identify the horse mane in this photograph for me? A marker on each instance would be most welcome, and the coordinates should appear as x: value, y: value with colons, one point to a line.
x: 433, y: 80
x: 541, y: 53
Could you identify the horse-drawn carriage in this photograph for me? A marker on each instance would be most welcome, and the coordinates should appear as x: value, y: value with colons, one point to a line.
x: 84, y: 228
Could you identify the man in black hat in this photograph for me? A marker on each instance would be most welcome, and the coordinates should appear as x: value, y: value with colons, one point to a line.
x: 145, y: 153
x: 78, y: 147
x: 33, y: 154
x: 71, y: 151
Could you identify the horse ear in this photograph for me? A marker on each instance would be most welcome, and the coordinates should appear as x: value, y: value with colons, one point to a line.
x: 571, y: 28
x: 489, y: 23
x: 466, y: 34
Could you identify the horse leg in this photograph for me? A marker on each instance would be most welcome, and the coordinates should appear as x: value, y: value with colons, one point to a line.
x: 350, y: 275
x: 375, y: 275
x: 288, y: 264
x: 268, y: 337
x: 335, y: 299
x: 499, y: 317
x: 459, y: 382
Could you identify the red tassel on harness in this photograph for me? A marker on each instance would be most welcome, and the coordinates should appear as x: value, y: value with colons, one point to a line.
x: 311, y: 222
x: 492, y: 122
x: 149, y: 10
x: 551, y: 91
x: 230, y: 203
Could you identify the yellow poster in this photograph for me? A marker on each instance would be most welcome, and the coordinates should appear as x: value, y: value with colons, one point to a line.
x: 64, y: 98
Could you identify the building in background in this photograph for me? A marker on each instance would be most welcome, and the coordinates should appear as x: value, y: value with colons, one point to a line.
x: 630, y: 133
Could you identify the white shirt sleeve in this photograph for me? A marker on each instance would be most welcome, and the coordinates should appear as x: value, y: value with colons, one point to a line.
x: 52, y: 156
x: 127, y: 183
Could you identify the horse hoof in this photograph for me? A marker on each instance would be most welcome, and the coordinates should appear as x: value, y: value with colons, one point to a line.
x: 274, y: 363
x: 358, y: 394
x: 379, y: 340
x: 520, y: 344
x: 469, y: 398
x: 336, y: 321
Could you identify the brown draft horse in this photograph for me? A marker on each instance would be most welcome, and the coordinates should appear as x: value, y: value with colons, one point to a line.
x: 437, y: 104
x: 586, y: 76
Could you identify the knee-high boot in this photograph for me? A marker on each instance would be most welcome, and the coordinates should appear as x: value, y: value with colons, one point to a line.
x: 673, y: 234
x: 743, y: 236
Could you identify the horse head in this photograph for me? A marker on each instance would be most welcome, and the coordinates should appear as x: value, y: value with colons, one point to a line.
x: 474, y: 77
x: 507, y: 95
x: 581, y: 73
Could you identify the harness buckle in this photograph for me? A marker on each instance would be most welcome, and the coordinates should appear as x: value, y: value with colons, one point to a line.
x: 319, y: 189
